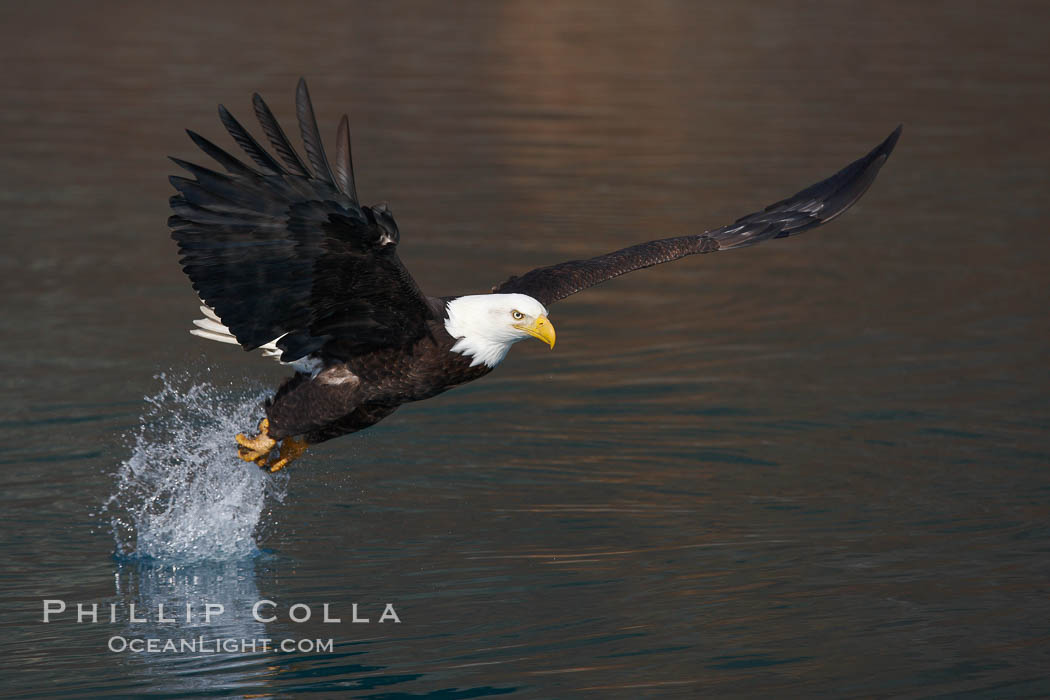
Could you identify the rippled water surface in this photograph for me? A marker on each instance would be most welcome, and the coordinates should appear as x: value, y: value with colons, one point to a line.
x: 814, y: 467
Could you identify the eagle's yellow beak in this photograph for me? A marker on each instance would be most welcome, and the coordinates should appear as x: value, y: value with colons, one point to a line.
x: 540, y: 328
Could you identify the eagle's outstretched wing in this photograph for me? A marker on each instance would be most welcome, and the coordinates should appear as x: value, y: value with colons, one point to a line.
x: 279, y: 251
x: 811, y: 207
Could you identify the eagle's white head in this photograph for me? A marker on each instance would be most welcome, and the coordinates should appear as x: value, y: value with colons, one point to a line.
x: 486, y: 325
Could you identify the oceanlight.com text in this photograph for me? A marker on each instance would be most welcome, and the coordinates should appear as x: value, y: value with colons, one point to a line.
x: 202, y: 645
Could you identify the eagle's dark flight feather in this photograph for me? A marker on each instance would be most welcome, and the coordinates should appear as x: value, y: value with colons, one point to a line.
x: 344, y: 163
x: 304, y: 109
x: 278, y: 140
x: 811, y: 207
x: 248, y: 143
x: 277, y: 252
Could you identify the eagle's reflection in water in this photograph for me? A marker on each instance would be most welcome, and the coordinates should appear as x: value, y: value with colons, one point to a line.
x: 199, y: 609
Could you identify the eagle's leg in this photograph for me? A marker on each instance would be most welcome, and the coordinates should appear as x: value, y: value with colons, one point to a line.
x: 256, y: 448
x: 291, y: 450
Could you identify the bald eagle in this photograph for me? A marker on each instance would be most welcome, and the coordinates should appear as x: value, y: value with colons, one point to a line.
x: 285, y: 259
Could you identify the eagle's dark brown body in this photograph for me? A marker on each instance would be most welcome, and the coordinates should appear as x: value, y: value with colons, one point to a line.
x: 345, y: 397
x: 286, y: 258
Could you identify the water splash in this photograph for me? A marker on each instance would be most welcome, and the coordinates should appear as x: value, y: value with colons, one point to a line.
x: 183, y: 494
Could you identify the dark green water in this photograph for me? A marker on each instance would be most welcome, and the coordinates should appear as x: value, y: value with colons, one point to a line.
x: 814, y: 467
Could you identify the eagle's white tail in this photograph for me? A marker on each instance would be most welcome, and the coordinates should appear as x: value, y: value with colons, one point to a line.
x: 211, y: 327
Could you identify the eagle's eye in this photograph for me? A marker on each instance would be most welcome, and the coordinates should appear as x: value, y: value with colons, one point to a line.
x: 517, y: 315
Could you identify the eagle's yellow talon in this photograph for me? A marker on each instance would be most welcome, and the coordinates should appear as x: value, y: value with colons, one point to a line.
x: 259, y: 449
x: 291, y: 450
x: 256, y: 449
